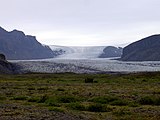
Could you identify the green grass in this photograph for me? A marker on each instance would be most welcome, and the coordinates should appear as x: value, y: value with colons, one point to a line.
x: 150, y: 100
x: 55, y: 109
x: 77, y: 106
x: 92, y: 96
x: 19, y: 98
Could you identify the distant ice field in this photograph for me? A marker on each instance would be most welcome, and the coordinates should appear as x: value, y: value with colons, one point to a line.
x: 98, y: 65
x: 75, y: 52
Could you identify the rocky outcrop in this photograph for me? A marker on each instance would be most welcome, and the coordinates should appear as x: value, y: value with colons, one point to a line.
x: 5, y: 66
x: 16, y: 45
x: 111, y: 51
x: 2, y: 57
x: 147, y: 49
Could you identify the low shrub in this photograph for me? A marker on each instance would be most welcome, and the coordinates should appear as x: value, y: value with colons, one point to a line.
x: 89, y: 80
x: 67, y: 99
x: 77, y: 106
x: 52, y: 102
x: 31, y: 88
x: 119, y: 102
x: 56, y: 109
x: 60, y: 89
x: 33, y: 99
x: 19, y: 98
x: 98, y: 108
x: 104, y: 100
x: 121, y: 112
x: 133, y: 104
x: 42, y: 88
x: 149, y: 100
x: 157, y: 101
x: 3, y: 87
x: 2, y: 98
x: 42, y: 99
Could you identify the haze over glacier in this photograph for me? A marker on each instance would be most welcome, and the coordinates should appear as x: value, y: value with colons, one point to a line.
x: 79, y: 52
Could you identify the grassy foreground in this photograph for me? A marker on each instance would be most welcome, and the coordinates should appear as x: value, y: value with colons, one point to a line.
x: 80, y: 96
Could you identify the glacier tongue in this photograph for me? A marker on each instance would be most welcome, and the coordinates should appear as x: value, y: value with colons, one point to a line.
x: 84, y: 66
x: 73, y: 52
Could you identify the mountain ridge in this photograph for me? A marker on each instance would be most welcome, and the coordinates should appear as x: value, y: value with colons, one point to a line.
x: 18, y: 46
x: 146, y: 49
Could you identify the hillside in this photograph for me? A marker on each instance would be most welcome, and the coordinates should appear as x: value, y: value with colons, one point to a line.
x: 16, y: 45
x: 111, y: 51
x: 147, y: 49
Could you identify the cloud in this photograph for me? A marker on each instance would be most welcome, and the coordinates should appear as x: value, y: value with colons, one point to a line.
x: 82, y: 22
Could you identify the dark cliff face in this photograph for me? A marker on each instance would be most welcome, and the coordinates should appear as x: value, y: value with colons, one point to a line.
x: 2, y: 57
x: 17, y: 45
x: 111, y: 51
x: 147, y: 49
x: 5, y: 66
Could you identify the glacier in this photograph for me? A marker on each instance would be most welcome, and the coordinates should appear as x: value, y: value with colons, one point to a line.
x: 79, y: 52
x: 83, y: 60
x: 58, y: 65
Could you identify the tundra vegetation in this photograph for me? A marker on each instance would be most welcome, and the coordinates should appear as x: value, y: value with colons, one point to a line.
x: 70, y: 96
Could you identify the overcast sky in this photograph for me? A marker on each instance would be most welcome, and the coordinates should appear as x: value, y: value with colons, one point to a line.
x: 82, y: 22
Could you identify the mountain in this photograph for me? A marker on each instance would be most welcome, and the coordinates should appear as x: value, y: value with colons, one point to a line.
x: 146, y: 49
x: 16, y: 45
x: 111, y: 51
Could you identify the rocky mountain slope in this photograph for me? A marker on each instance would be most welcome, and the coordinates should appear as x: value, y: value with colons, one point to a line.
x: 147, y: 49
x: 111, y: 51
x: 16, y: 45
x: 5, y: 66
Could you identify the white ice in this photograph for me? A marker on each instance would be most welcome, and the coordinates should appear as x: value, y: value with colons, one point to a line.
x: 86, y: 66
x: 84, y: 60
x: 73, y: 52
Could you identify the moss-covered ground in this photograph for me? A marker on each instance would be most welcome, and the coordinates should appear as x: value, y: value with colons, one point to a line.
x: 133, y: 96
